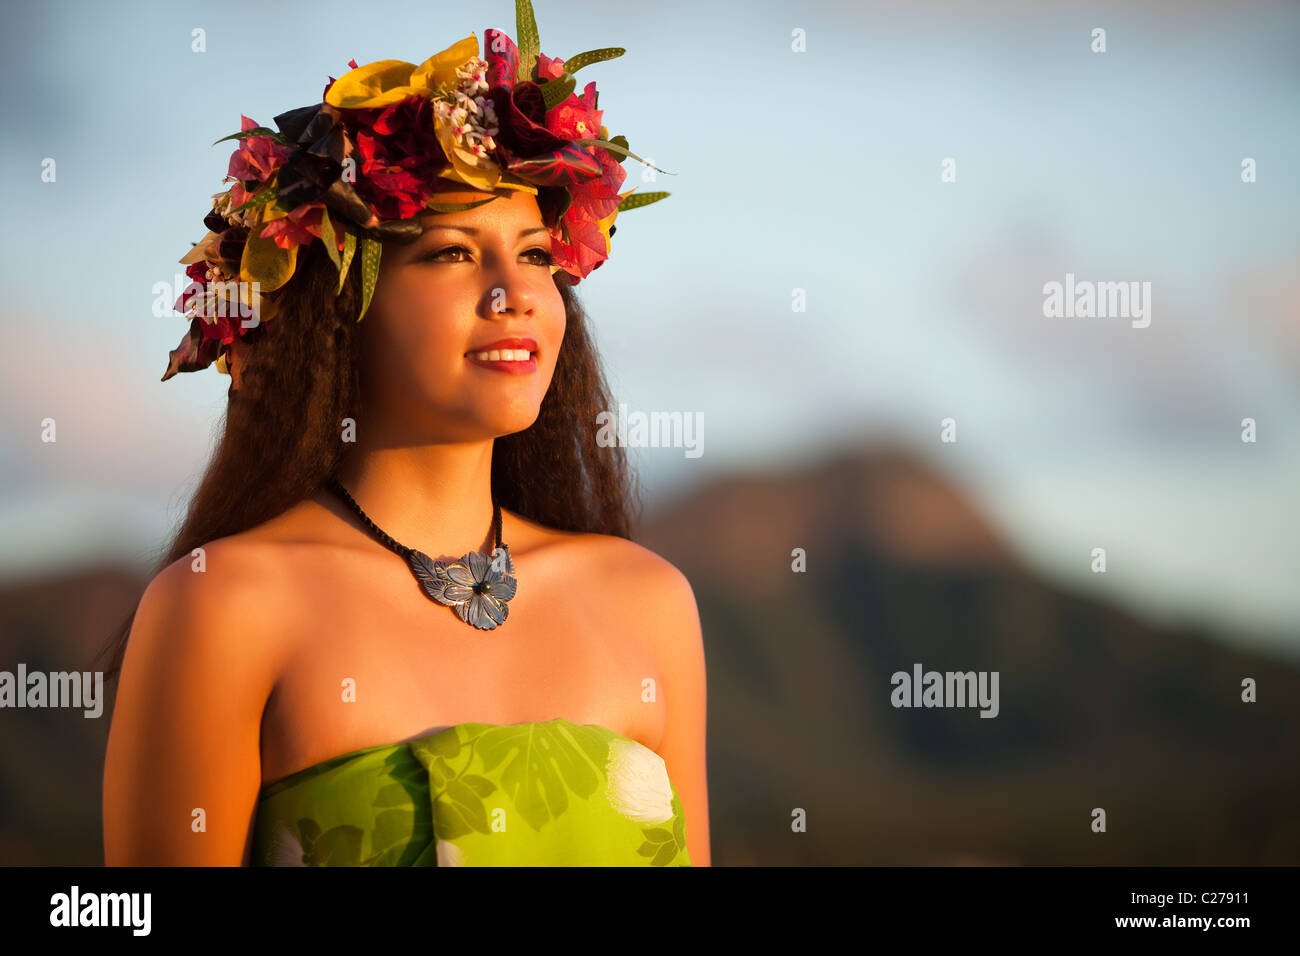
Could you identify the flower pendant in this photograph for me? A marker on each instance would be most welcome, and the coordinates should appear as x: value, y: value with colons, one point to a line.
x: 477, y: 587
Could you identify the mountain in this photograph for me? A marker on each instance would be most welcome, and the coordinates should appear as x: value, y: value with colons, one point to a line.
x: 1096, y: 708
x: 52, y: 759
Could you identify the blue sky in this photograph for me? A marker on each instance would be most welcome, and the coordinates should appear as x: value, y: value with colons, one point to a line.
x: 817, y: 171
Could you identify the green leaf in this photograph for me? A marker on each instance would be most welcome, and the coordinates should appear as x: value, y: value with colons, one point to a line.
x: 526, y: 39
x: 349, y: 247
x: 256, y: 131
x: 338, y: 846
x: 619, y: 141
x: 392, y: 826
x: 543, y: 766
x: 479, y: 784
x: 392, y: 795
x: 309, y: 830
x: 640, y: 199
x: 576, y: 62
x: 665, y: 855
x: 327, y: 237
x: 615, y: 147
x: 453, y: 819
x: 555, y: 92
x: 259, y: 199
x: 439, y: 772
x: 370, y: 250
x: 401, y: 832
x: 464, y: 801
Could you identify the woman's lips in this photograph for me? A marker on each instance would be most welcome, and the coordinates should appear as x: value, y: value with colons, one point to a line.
x: 512, y: 366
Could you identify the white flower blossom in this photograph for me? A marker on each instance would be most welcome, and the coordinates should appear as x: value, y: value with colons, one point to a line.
x: 449, y: 854
x: 285, y: 849
x: 638, y: 785
x: 468, y: 111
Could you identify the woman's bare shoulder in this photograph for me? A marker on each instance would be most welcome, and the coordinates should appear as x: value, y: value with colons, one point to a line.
x: 612, y: 551
x: 630, y: 557
x: 639, y: 577
x: 239, y: 577
x: 218, y: 603
x: 234, y: 563
x: 200, y: 663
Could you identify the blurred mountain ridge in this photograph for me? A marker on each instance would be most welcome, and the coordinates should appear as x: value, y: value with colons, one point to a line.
x: 1097, y: 709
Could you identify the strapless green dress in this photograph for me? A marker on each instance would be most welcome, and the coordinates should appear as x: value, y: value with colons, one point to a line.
x: 543, y: 793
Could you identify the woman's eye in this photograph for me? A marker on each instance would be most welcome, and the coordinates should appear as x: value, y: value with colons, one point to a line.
x: 442, y: 252
x: 545, y: 256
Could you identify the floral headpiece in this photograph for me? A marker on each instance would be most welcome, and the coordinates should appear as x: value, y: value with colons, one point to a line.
x: 361, y: 166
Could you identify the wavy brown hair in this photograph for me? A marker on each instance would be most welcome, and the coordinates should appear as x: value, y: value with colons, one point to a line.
x: 299, y: 379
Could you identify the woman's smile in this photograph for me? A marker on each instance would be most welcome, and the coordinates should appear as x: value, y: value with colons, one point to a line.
x: 514, y: 356
x: 512, y: 366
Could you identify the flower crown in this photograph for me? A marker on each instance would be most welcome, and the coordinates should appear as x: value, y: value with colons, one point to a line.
x: 361, y: 166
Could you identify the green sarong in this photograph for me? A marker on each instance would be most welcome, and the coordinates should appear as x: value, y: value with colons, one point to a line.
x: 543, y: 793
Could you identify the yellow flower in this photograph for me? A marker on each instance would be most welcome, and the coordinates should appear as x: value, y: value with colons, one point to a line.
x: 386, y: 82
x: 481, y: 172
x: 263, y: 261
x: 604, y: 224
x: 440, y: 69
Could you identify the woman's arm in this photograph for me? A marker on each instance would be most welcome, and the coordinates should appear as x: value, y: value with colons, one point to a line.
x: 183, y: 767
x: 681, y: 665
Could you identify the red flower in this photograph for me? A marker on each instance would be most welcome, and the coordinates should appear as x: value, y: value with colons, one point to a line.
x: 597, y: 198
x: 257, y: 157
x: 224, y: 328
x: 400, y: 156
x: 502, y: 58
x: 576, y: 117
x: 239, y: 195
x: 592, y: 201
x: 298, y: 228
x: 549, y: 69
x: 198, y: 273
x: 585, y: 250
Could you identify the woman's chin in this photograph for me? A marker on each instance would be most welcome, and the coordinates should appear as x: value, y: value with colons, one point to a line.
x: 508, y: 421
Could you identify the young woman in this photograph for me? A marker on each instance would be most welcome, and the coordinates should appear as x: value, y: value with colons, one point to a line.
x: 344, y: 659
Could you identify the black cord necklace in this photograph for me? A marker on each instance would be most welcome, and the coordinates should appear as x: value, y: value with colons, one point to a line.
x: 478, y: 586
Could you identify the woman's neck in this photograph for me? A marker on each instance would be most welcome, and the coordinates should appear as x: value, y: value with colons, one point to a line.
x: 435, y: 498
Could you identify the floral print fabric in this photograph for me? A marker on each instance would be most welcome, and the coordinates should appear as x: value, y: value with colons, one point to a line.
x: 544, y: 793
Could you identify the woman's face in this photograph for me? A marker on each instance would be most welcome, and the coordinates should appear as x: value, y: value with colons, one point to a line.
x: 473, y: 278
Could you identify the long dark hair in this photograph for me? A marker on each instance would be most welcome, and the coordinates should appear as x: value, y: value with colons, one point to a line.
x: 299, y: 380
